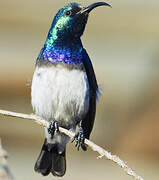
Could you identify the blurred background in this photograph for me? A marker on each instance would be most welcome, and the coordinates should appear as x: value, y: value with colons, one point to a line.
x: 123, y: 43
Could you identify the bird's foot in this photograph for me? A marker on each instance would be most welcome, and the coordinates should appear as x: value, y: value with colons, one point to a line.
x: 79, y: 140
x: 53, y: 128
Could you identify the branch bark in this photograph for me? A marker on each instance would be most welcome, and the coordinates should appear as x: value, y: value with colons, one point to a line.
x: 102, y: 152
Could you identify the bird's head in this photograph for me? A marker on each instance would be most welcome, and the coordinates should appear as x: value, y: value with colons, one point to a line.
x: 70, y: 21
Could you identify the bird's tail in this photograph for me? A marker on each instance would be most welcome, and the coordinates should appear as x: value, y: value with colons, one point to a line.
x: 50, y: 160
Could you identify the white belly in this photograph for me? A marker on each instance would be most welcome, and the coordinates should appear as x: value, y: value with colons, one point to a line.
x: 60, y: 94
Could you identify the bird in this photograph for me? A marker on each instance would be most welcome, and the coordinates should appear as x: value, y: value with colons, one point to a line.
x: 64, y: 88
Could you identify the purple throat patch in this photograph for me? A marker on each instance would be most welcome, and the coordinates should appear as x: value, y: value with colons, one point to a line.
x: 67, y: 57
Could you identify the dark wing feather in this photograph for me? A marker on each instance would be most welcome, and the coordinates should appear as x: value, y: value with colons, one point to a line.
x: 88, y: 121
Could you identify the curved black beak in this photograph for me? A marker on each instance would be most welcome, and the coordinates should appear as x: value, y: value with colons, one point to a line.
x: 89, y: 8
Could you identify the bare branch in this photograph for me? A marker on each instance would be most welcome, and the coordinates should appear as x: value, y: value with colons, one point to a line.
x: 3, y: 162
x: 102, y: 152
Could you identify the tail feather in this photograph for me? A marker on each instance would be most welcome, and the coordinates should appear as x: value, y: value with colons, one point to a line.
x: 58, y: 164
x: 50, y: 160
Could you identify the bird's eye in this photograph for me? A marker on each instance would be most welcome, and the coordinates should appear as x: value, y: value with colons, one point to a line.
x: 68, y: 13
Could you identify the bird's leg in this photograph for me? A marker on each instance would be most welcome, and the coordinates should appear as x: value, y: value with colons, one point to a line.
x: 53, y: 128
x: 79, y: 139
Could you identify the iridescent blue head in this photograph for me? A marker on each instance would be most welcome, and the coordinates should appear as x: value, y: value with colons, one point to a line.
x: 63, y: 42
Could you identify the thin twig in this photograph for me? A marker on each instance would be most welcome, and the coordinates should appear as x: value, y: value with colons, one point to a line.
x: 3, y: 162
x: 102, y: 152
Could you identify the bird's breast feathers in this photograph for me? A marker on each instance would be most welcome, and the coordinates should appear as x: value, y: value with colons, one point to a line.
x: 61, y: 94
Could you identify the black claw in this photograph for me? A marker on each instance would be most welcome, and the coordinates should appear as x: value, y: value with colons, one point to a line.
x: 84, y: 147
x: 53, y: 128
x: 76, y: 143
x: 79, y: 140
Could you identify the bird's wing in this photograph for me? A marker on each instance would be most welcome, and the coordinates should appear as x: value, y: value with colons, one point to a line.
x: 88, y: 121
